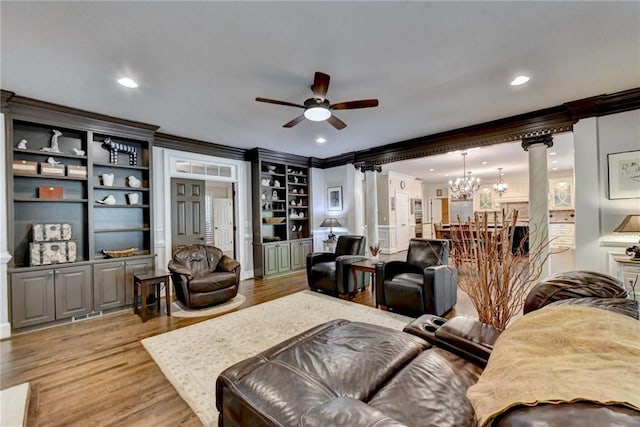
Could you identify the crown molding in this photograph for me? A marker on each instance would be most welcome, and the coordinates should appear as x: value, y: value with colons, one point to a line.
x: 180, y: 143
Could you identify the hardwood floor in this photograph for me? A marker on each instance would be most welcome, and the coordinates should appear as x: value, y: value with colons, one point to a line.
x: 96, y: 372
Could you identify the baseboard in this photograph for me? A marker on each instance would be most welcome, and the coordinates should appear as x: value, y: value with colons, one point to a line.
x: 5, y: 330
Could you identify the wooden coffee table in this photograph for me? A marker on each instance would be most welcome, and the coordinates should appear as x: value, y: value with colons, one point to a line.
x: 155, y: 278
x: 367, y: 266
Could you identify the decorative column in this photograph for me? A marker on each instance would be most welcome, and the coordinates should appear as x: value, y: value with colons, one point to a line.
x: 5, y: 256
x: 539, y: 198
x: 371, y: 206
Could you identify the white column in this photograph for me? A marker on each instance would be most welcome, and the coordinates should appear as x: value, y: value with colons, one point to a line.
x: 371, y: 208
x: 5, y: 256
x: 539, y: 198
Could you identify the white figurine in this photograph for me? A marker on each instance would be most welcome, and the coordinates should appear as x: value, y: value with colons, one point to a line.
x: 52, y: 161
x: 109, y: 200
x: 54, y: 143
x: 22, y: 145
x: 134, y: 182
x: 78, y: 151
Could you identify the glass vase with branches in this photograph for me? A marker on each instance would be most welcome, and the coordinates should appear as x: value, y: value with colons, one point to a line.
x: 495, y: 273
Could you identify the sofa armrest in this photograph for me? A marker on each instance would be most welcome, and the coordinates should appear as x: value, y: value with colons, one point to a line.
x: 318, y: 257
x: 227, y: 264
x: 178, y: 268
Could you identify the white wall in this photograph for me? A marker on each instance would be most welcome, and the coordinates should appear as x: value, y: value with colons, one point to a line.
x: 596, y: 215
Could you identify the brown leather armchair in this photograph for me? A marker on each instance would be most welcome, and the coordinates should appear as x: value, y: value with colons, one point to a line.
x: 424, y: 284
x: 331, y: 272
x: 203, y: 276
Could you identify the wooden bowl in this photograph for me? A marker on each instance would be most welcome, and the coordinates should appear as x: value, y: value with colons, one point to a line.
x: 274, y: 220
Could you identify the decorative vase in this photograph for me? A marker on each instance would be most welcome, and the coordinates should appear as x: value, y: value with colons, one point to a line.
x: 107, y: 179
x: 133, y: 198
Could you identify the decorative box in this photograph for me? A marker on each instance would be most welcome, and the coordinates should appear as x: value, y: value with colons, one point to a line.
x: 46, y: 253
x: 50, y: 192
x: 51, y: 170
x: 77, y: 171
x: 25, y: 167
x: 50, y: 232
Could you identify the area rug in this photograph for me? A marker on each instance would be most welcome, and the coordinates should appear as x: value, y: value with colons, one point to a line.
x: 191, y: 358
x: 179, y: 310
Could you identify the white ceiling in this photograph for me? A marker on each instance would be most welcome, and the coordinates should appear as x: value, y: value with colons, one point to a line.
x: 434, y: 66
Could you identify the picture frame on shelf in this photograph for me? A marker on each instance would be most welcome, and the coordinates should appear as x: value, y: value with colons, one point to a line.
x: 334, y: 198
x: 624, y: 175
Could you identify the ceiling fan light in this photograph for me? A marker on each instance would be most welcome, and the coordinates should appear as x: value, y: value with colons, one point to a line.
x: 317, y: 114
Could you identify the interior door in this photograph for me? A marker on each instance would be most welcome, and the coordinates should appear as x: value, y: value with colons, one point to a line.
x: 187, y: 212
x: 402, y: 221
x: 223, y: 224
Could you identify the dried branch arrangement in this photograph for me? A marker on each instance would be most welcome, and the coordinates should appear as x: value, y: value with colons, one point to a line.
x: 494, y: 274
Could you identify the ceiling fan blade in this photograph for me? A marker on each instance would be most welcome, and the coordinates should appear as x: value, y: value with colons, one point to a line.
x: 294, y: 122
x: 320, y: 85
x: 351, y: 105
x: 275, y: 101
x: 336, y: 122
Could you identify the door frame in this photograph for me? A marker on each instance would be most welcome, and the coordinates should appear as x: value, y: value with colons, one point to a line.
x: 165, y: 168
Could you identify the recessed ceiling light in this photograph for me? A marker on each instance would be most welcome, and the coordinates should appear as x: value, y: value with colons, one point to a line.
x: 127, y: 82
x: 554, y: 161
x: 320, y: 140
x: 519, y: 80
x: 484, y: 163
x: 553, y: 153
x: 431, y: 170
x: 554, y: 169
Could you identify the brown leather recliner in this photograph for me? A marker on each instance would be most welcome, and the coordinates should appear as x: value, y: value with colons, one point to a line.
x: 424, y: 284
x: 203, y: 276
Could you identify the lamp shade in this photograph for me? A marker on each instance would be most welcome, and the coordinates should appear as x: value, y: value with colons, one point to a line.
x: 631, y: 224
x: 330, y: 222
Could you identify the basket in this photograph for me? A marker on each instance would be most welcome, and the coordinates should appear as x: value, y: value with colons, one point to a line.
x: 274, y: 220
x: 119, y: 253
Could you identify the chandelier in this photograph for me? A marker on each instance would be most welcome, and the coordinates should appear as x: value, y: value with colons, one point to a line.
x: 500, y: 187
x: 465, y: 186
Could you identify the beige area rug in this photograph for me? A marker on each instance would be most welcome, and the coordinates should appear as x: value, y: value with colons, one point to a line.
x: 191, y: 358
x: 14, y: 402
x: 179, y: 310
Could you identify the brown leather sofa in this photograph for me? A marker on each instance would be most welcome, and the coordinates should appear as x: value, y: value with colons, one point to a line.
x: 203, y: 276
x: 344, y: 373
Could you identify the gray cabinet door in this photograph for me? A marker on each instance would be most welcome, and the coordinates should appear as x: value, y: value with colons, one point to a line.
x: 284, y: 257
x: 73, y: 291
x: 108, y: 285
x: 140, y: 266
x: 299, y: 251
x: 32, y: 298
x: 270, y: 260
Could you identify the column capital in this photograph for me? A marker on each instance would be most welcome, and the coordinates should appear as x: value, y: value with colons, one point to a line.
x: 370, y: 168
x: 546, y: 139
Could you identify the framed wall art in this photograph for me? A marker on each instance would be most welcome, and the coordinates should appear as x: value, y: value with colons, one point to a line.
x: 624, y: 175
x: 334, y: 195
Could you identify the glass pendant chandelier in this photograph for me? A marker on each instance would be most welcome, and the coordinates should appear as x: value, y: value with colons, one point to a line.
x: 465, y: 186
x: 500, y: 187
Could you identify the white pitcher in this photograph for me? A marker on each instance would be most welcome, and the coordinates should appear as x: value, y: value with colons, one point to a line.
x: 107, y: 179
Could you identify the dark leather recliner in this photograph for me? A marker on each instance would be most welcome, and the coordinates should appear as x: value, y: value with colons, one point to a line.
x: 203, y: 276
x: 330, y: 272
x: 424, y: 284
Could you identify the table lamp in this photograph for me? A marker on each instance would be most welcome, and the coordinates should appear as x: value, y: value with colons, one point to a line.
x: 631, y: 224
x: 331, y: 222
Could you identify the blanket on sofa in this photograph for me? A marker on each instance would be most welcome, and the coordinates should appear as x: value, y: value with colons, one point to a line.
x: 561, y: 354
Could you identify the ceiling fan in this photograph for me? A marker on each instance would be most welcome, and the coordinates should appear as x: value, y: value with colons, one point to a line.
x: 319, y: 108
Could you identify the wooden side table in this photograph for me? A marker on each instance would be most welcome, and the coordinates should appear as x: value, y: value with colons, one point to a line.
x: 155, y: 278
x: 366, y: 266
